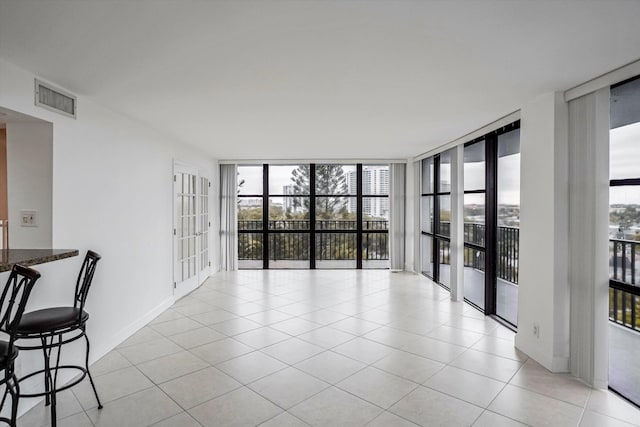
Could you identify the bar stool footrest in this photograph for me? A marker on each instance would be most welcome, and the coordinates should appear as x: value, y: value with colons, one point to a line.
x: 53, y: 371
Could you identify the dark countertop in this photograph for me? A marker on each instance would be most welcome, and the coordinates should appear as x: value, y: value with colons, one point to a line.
x: 28, y: 257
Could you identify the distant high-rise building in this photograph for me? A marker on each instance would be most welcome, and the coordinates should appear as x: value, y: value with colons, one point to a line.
x: 291, y: 204
x: 375, y: 181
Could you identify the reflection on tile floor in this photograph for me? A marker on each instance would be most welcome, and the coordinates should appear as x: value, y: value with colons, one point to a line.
x: 327, y: 348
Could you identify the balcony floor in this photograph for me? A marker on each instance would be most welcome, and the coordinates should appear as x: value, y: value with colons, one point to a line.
x: 352, y: 348
x: 624, y: 361
x: 507, y: 298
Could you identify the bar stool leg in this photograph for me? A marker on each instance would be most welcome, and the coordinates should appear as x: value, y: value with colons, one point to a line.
x: 89, y: 372
x: 47, y: 371
x: 15, y: 393
x: 54, y: 381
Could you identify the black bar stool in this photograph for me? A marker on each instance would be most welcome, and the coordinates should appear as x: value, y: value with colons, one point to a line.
x: 12, y: 304
x: 55, y: 327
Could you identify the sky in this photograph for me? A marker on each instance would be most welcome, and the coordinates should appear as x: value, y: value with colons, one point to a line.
x: 624, y: 162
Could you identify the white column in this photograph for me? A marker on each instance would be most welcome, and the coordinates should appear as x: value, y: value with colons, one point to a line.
x: 588, y: 236
x: 457, y: 223
x: 543, y: 297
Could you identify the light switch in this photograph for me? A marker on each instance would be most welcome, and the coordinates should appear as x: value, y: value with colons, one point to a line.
x: 28, y: 218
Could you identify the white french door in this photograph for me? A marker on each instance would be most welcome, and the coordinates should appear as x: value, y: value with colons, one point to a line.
x: 190, y: 230
x: 204, y: 223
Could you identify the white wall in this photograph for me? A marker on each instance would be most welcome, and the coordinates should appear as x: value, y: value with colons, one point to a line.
x: 112, y: 192
x: 544, y: 233
x: 29, y: 172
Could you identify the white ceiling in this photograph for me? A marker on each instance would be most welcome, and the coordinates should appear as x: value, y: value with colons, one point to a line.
x: 317, y: 79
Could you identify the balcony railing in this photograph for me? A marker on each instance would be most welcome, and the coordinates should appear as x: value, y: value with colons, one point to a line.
x: 508, y: 250
x: 624, y: 287
x: 330, y: 243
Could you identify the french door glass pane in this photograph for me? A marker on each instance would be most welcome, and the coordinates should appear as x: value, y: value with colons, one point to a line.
x: 186, y: 229
x: 426, y: 264
x: 204, y: 223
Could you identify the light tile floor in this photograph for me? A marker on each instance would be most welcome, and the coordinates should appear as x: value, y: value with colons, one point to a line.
x: 327, y: 348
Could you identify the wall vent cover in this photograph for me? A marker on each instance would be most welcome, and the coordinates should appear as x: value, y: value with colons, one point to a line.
x: 54, y: 99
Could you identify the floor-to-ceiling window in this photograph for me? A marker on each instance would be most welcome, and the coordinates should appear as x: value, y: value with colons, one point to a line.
x: 436, y: 218
x: 624, y: 235
x: 491, y: 220
x: 313, y: 216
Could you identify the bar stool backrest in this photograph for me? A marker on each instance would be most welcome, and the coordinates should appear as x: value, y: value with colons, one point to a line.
x: 85, y: 277
x: 14, y: 299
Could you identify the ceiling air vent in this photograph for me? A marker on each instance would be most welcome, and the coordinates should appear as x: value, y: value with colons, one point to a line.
x: 55, y: 99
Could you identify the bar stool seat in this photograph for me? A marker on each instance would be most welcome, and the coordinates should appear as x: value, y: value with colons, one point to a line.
x: 52, y: 320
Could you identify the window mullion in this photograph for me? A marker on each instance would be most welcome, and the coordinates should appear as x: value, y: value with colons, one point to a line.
x: 359, y: 216
x: 312, y: 216
x: 265, y: 216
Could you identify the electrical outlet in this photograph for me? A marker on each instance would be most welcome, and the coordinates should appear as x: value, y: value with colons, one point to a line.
x: 28, y: 218
x: 536, y: 330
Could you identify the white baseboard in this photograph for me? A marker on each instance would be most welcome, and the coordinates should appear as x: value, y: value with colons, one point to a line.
x: 100, y: 349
